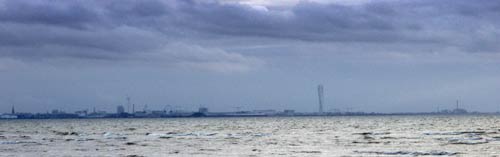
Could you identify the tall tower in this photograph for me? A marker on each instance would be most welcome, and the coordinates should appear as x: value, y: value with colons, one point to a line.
x: 128, y: 103
x: 13, y: 111
x: 320, y: 98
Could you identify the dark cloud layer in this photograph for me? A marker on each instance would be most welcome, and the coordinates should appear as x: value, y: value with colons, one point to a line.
x: 123, y: 28
x: 392, y: 55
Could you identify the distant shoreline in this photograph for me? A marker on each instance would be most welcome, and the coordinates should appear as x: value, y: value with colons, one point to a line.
x: 257, y: 116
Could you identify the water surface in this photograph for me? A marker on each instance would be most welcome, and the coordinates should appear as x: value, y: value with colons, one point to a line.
x: 263, y: 136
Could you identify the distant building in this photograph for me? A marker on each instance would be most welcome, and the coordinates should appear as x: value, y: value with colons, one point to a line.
x: 55, y: 111
x: 459, y: 111
x: 289, y: 112
x: 203, y: 110
x: 82, y: 113
x: 320, y: 98
x: 8, y: 116
x: 265, y: 112
x: 120, y: 109
x: 97, y: 114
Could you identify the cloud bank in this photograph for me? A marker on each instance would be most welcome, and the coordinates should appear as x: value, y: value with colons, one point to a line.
x: 174, y: 31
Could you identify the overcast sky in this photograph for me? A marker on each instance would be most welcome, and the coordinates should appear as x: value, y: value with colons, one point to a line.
x: 373, y: 56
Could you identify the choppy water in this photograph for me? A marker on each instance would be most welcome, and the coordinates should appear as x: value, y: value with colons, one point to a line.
x: 279, y: 136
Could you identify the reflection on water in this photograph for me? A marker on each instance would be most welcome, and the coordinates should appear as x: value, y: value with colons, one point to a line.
x: 280, y: 136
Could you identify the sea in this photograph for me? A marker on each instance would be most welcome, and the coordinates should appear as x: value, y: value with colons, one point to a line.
x: 439, y: 135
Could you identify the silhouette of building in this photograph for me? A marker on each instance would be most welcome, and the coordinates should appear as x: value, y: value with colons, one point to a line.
x: 203, y: 110
x: 13, y: 111
x: 55, y: 111
x: 289, y: 112
x: 120, y: 109
x: 82, y: 113
x: 320, y: 98
x: 459, y: 110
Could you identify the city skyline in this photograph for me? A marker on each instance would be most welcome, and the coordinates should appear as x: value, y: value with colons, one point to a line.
x: 237, y: 108
x: 203, y: 111
x: 373, y: 56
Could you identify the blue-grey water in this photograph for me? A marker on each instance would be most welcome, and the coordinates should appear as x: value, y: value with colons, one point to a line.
x: 271, y: 136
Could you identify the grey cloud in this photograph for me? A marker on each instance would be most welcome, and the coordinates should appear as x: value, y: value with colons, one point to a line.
x: 59, y: 13
x: 188, y: 56
x: 305, y: 21
x: 392, y: 22
x: 136, y: 8
x: 41, y: 41
x: 125, y: 29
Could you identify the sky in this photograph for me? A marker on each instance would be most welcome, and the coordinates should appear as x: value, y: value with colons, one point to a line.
x: 371, y: 56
